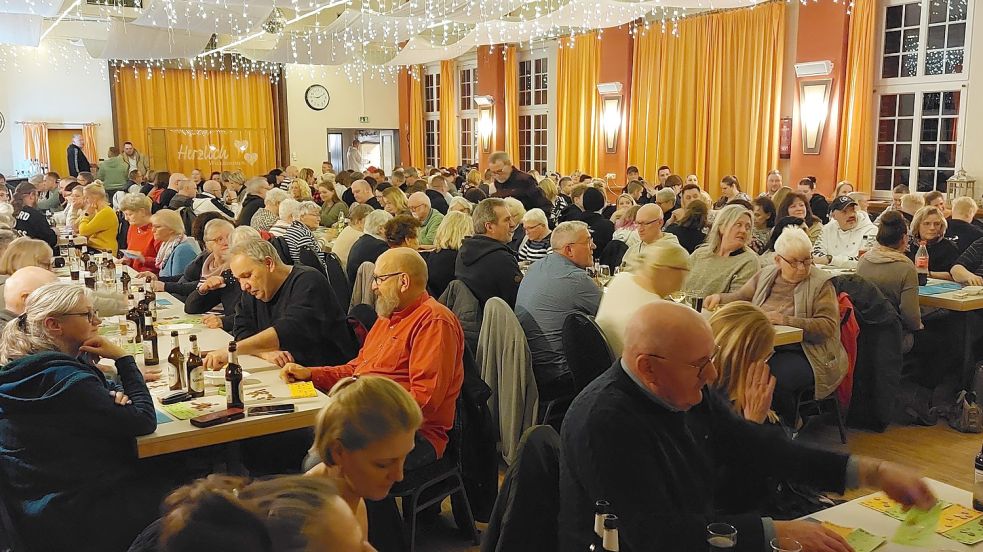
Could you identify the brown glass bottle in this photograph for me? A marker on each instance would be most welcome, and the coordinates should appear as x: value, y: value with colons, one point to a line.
x: 175, y: 364
x: 233, y: 379
x: 195, y: 370
x: 151, y: 350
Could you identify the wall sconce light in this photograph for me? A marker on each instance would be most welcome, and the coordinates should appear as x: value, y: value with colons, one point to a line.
x: 610, y: 114
x: 813, y: 112
x: 486, y: 121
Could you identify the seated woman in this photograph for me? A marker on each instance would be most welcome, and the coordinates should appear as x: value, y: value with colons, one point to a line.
x: 140, y: 235
x: 332, y: 207
x: 361, y: 440
x: 287, y: 513
x: 767, y: 256
x: 536, y: 243
x: 76, y: 472
x: 724, y: 263
x: 394, y: 201
x: 657, y: 273
x: 797, y: 205
x: 691, y: 230
x: 300, y: 235
x: 929, y: 226
x: 747, y: 340
x: 214, y: 286
x: 21, y: 252
x: 460, y: 204
x: 176, y: 250
x: 299, y: 190
x: 441, y: 261
x: 288, y: 212
x: 401, y: 232
x: 796, y: 293
x: 354, y: 230
x: 99, y: 223
x: 268, y: 215
x: 764, y: 223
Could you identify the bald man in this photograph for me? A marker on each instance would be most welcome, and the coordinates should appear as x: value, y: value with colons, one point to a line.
x: 173, y: 183
x: 648, y: 437
x: 20, y: 284
x: 363, y: 193
x: 429, y: 218
x: 650, y: 222
x: 417, y: 342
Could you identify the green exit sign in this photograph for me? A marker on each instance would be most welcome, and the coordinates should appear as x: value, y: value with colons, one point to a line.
x: 363, y: 119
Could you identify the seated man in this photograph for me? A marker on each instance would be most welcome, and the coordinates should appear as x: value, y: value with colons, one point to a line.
x: 961, y: 229
x: 417, y: 342
x: 286, y: 313
x: 650, y: 221
x: 485, y: 263
x: 601, y: 228
x: 429, y: 217
x: 208, y: 200
x: 968, y: 269
x: 18, y: 286
x: 186, y: 192
x: 844, y: 235
x: 553, y: 288
x: 648, y: 439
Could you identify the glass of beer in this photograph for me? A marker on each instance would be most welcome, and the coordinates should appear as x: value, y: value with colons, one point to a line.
x: 721, y: 536
x: 785, y: 544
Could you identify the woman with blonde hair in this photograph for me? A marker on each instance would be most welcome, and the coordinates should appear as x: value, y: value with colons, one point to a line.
x: 447, y: 242
x: 300, y: 191
x: 461, y: 205
x: 23, y: 252
x: 99, y: 223
x: 175, y: 251
x: 473, y: 181
x: 550, y: 189
x: 929, y: 226
x: 362, y: 438
x: 844, y: 188
x: 747, y: 340
x: 394, y: 201
x: 725, y: 262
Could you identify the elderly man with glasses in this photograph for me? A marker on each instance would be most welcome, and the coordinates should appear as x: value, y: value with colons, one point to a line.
x: 650, y: 222
x: 648, y: 437
x: 417, y: 342
x: 429, y: 218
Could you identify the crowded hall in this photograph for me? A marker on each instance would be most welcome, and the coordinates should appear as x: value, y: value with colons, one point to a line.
x: 491, y: 276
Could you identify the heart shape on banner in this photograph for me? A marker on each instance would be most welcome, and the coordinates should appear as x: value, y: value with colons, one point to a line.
x: 251, y: 157
x: 241, y: 145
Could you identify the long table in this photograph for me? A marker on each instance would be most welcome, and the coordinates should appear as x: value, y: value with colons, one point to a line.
x: 853, y: 514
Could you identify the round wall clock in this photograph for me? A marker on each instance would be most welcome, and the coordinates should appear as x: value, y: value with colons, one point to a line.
x: 317, y: 97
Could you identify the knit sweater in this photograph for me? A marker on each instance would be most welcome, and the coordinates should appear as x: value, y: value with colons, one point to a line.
x: 101, y: 229
x: 712, y: 273
x: 894, y: 274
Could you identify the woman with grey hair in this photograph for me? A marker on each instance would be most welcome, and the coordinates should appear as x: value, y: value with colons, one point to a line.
x: 76, y: 471
x: 796, y: 293
x: 288, y: 212
x: 298, y: 236
x: 725, y: 261
x: 269, y: 214
x: 370, y: 245
x: 535, y: 243
x: 176, y: 250
x: 212, y: 285
x: 460, y: 204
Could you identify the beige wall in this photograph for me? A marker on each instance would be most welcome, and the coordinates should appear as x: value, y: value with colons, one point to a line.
x: 349, y: 100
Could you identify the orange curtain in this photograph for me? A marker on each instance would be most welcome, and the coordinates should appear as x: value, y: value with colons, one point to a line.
x: 36, y: 143
x: 511, y: 103
x: 450, y: 138
x: 417, y: 155
x: 707, y: 101
x: 577, y: 105
x: 858, y: 117
x: 206, y: 120
x: 89, y: 145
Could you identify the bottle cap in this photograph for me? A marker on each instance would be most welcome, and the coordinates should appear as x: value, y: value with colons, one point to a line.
x: 173, y: 333
x: 610, y: 521
x: 602, y: 507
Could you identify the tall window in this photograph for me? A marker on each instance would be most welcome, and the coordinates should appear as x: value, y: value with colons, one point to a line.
x: 468, y: 75
x: 920, y: 95
x: 534, y: 102
x: 431, y: 115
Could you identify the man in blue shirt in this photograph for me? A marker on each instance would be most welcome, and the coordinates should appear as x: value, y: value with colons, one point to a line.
x: 556, y: 286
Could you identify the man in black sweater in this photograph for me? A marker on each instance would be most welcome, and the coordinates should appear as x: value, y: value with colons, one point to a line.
x: 511, y: 182
x: 484, y: 262
x: 601, y: 228
x: 649, y: 437
x: 77, y: 162
x: 29, y: 220
x: 286, y: 313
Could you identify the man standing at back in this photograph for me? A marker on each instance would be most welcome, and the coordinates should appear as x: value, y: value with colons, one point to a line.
x: 353, y: 157
x: 485, y: 263
x: 77, y: 162
x: 511, y: 182
x: 135, y: 160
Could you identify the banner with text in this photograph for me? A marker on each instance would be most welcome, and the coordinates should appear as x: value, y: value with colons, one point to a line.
x: 251, y: 151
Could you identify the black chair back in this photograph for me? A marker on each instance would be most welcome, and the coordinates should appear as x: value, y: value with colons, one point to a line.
x: 308, y: 257
x: 588, y: 353
x: 10, y: 540
x: 338, y: 278
x: 282, y: 249
x: 613, y: 254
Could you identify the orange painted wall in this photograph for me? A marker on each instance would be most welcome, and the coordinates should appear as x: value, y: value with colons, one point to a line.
x: 822, y: 34
x: 616, y: 63
x: 403, y: 93
x: 491, y: 82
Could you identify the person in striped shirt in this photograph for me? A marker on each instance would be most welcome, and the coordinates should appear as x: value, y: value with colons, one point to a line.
x: 536, y: 244
x: 299, y: 234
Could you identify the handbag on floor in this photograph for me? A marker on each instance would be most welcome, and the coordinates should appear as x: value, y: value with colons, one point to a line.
x: 966, y: 415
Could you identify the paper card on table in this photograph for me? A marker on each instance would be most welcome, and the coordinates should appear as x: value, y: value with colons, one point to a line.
x: 862, y: 541
x: 955, y: 515
x: 918, y: 526
x: 885, y: 505
x: 164, y: 303
x: 967, y: 533
x: 302, y: 390
x: 162, y: 418
x: 197, y: 407
x: 838, y: 529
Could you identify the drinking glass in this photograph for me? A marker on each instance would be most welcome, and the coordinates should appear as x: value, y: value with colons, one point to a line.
x: 721, y: 536
x: 696, y: 299
x: 678, y: 296
x: 785, y: 544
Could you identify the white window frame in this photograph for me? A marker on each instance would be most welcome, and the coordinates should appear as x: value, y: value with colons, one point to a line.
x: 919, y: 85
x: 548, y: 51
x: 468, y: 114
x: 431, y: 119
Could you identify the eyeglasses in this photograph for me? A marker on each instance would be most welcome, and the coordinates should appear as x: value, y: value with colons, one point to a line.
x: 806, y: 263
x: 219, y: 239
x: 90, y: 315
x: 646, y: 223
x: 383, y: 277
x: 699, y: 367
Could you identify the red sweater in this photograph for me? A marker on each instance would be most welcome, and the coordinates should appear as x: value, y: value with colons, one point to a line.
x: 141, y: 238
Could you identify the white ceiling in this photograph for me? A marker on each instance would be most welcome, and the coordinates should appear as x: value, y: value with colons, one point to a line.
x: 321, y: 32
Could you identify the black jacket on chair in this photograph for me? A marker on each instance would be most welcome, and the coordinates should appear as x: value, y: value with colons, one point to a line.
x: 601, y: 230
x: 488, y: 267
x: 366, y: 248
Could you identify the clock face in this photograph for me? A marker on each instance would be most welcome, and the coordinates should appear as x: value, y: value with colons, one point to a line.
x: 317, y: 97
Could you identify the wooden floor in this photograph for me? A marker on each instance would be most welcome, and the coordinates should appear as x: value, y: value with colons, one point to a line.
x: 937, y: 452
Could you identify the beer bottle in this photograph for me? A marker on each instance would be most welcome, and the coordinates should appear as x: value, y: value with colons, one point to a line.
x: 125, y: 280
x: 134, y: 316
x: 150, y: 297
x: 233, y: 379
x: 601, y: 508
x: 175, y: 364
x: 196, y: 370
x: 610, y: 533
x: 151, y: 352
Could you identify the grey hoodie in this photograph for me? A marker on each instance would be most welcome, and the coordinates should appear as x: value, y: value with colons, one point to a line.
x: 894, y: 274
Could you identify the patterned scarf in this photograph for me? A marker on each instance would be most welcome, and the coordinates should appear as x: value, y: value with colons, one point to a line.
x: 166, y: 249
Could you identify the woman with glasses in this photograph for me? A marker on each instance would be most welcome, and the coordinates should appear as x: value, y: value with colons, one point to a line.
x: 536, y: 243
x: 66, y: 432
x: 795, y: 293
x: 725, y: 262
x: 212, y: 285
x: 176, y: 250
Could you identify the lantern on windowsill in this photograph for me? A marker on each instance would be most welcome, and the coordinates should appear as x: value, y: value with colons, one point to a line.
x: 962, y: 185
